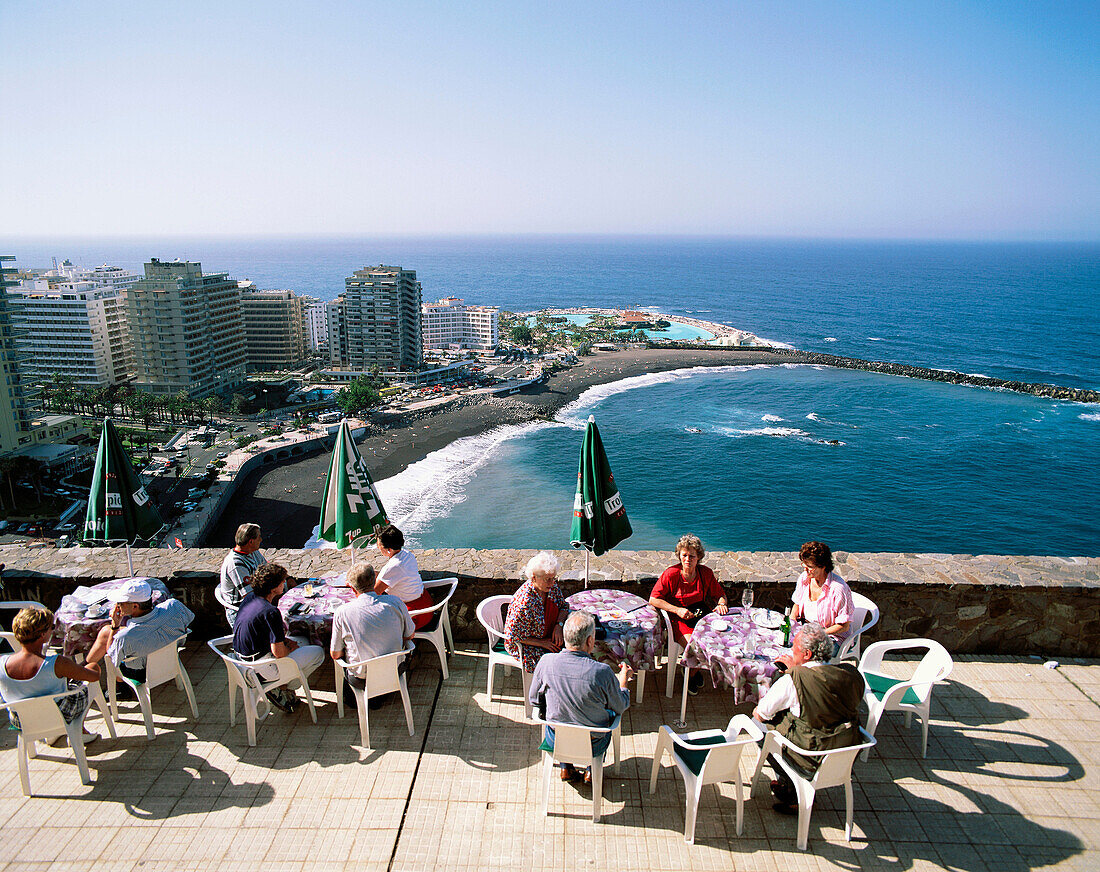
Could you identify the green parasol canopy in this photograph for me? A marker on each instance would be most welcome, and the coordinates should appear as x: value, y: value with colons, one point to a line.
x: 350, y: 507
x: 119, y: 509
x: 599, y: 519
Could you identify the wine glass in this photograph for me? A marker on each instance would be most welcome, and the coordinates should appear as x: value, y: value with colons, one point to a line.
x: 746, y: 602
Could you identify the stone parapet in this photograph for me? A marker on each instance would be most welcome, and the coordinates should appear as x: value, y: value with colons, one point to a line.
x: 1049, y: 606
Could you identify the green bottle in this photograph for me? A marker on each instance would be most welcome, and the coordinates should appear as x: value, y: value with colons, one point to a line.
x: 786, y: 627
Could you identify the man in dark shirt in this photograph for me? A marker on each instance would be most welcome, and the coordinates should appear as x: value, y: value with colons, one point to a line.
x: 258, y: 634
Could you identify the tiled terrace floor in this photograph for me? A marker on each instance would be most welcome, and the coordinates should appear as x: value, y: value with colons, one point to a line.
x: 1010, y: 784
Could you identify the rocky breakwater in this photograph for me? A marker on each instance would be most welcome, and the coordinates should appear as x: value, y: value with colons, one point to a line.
x: 1055, y: 392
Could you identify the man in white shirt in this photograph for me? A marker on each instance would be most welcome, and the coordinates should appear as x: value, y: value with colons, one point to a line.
x: 237, y: 569
x: 369, y: 626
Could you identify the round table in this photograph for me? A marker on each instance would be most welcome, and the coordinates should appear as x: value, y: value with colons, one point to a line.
x: 75, y: 628
x: 314, y: 620
x: 734, y: 657
x: 635, y: 630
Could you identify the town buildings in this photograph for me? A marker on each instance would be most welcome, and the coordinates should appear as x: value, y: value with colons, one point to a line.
x: 315, y: 318
x: 274, y: 330
x: 450, y: 323
x: 15, y: 419
x: 187, y: 330
x: 377, y: 321
x: 76, y: 328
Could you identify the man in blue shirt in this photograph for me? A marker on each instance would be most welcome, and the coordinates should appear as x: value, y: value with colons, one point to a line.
x: 258, y: 634
x: 578, y: 689
x: 137, y: 629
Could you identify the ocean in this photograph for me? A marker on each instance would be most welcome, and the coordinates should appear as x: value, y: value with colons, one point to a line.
x: 916, y: 466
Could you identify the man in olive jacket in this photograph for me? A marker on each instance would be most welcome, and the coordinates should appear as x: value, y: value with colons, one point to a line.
x: 815, y: 704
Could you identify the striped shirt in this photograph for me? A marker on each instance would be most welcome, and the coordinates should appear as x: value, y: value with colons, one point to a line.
x: 236, y: 583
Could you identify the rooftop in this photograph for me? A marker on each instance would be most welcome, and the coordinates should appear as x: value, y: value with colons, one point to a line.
x: 1010, y: 784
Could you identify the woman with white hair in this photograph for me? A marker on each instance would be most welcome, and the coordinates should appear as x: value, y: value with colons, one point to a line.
x: 537, y: 612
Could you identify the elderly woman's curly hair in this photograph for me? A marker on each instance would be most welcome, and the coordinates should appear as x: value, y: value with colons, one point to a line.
x: 690, y: 540
x: 544, y: 563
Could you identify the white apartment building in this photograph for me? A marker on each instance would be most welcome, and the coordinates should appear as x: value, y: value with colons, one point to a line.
x: 315, y: 317
x: 106, y: 276
x: 75, y: 328
x: 450, y: 323
x: 273, y: 330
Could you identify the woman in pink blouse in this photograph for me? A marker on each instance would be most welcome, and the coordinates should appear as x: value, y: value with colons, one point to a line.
x: 537, y: 612
x: 821, y: 595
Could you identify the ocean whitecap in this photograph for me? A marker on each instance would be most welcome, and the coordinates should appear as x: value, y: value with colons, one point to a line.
x: 778, y: 432
x: 875, y: 339
x: 829, y: 339
x: 771, y: 418
x: 1089, y: 416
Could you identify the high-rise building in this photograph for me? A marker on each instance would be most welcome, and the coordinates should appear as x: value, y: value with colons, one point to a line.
x: 74, y: 328
x: 377, y: 321
x: 15, y: 418
x: 315, y: 316
x: 451, y: 323
x: 187, y: 330
x: 273, y: 330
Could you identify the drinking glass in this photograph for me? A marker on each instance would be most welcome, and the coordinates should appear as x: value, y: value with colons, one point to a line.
x: 746, y: 602
x: 308, y: 589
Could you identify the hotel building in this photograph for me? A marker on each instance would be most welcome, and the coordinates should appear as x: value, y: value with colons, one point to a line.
x: 377, y: 321
x: 273, y: 330
x: 15, y: 418
x: 450, y: 323
x: 187, y: 329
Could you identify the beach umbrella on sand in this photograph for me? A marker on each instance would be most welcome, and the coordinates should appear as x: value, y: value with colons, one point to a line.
x: 119, y: 509
x: 599, y: 518
x: 350, y: 507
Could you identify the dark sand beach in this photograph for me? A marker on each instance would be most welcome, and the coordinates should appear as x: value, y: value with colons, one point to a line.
x: 285, y: 500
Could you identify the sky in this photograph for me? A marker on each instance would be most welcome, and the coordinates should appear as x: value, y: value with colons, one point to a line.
x: 948, y: 120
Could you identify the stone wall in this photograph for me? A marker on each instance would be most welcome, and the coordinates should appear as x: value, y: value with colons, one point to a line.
x: 1047, y: 606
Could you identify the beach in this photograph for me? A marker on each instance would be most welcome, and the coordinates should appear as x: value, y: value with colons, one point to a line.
x: 285, y: 500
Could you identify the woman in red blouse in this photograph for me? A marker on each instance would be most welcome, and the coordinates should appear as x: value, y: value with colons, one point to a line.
x: 537, y: 612
x: 690, y: 585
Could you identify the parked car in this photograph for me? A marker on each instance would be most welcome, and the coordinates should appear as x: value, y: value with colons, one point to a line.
x: 222, y: 455
x: 196, y: 493
x: 211, y: 466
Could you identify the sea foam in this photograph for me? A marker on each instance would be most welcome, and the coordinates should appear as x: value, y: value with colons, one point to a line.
x: 771, y: 418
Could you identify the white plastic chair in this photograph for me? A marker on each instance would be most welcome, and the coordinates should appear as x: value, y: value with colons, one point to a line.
x: 866, y: 616
x: 490, y: 612
x: 223, y: 602
x: 573, y: 745
x: 15, y: 606
x: 41, y: 720
x: 162, y: 666
x: 438, y: 631
x: 706, y: 757
x: 382, y: 677
x: 674, y: 654
x: 834, y: 770
x: 244, y: 675
x: 884, y: 693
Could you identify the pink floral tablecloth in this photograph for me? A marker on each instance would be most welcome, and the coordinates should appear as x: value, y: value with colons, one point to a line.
x: 314, y: 614
x: 635, y: 632
x: 734, y: 657
x: 76, y: 625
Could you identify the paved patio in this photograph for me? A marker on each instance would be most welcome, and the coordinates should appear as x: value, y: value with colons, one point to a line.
x: 1010, y: 784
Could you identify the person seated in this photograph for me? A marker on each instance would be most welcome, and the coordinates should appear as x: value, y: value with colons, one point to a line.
x: 400, y: 576
x: 537, y: 613
x: 137, y: 628
x: 687, y: 591
x: 29, y: 672
x: 579, y: 689
x: 821, y: 595
x: 259, y: 634
x: 237, y: 568
x: 371, y: 625
x: 815, y: 704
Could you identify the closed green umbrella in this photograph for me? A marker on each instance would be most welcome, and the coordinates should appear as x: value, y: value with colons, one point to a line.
x: 119, y: 508
x: 599, y: 518
x: 350, y: 507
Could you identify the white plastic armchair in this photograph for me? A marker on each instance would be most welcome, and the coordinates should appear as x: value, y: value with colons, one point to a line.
x: 866, y: 616
x: 15, y: 606
x: 224, y: 603
x: 490, y: 613
x: 162, y: 666
x: 706, y: 757
x: 885, y: 693
x: 244, y: 675
x: 834, y: 770
x: 673, y: 655
x: 573, y: 745
x: 438, y: 630
x: 382, y: 677
x: 40, y: 719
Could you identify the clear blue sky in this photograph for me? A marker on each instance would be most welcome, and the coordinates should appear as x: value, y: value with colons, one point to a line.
x: 974, y: 120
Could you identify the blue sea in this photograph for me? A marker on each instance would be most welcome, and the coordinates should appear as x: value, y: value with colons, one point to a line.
x: 783, y: 454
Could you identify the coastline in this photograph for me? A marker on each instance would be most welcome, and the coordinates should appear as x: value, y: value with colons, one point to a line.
x: 285, y: 500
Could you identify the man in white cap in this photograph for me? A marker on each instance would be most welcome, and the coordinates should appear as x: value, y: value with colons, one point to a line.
x: 137, y: 629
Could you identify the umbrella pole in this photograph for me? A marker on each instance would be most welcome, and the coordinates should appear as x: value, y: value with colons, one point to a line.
x: 129, y: 560
x: 586, y: 568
